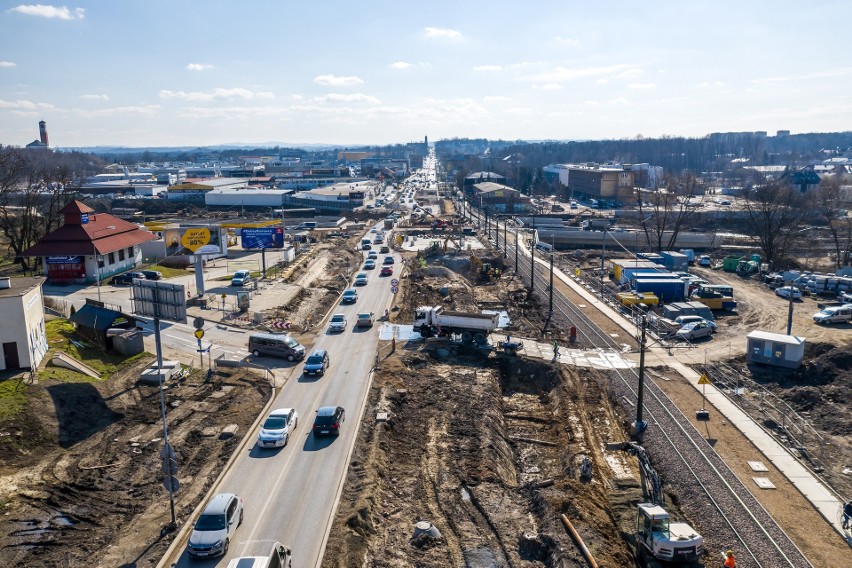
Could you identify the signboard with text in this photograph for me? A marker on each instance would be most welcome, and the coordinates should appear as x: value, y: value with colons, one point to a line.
x: 193, y: 240
x: 263, y: 238
x: 64, y: 260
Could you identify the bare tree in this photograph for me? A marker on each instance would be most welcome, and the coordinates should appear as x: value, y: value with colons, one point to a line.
x: 827, y: 205
x: 666, y: 212
x: 774, y: 216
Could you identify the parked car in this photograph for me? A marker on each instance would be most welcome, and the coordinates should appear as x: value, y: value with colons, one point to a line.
x: 212, y: 533
x: 704, y: 260
x: 337, y: 323
x: 328, y: 421
x: 316, y: 364
x: 369, y: 264
x: 153, y: 274
x: 386, y: 271
x: 350, y: 296
x: 388, y: 260
x: 694, y: 330
x: 127, y: 278
x: 241, y: 278
x: 276, y: 429
x: 786, y: 291
x: 364, y: 319
x: 834, y: 314
x: 683, y: 320
x: 360, y: 279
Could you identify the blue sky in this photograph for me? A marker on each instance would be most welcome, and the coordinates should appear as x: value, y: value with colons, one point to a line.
x: 192, y: 73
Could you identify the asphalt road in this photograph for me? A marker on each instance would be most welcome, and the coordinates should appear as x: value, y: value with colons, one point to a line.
x: 290, y: 494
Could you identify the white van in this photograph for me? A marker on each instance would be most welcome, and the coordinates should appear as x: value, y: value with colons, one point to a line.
x: 279, y: 557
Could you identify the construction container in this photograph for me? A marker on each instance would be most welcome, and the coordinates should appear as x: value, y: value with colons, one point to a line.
x: 675, y: 309
x: 652, y: 256
x: 675, y: 261
x: 653, y: 275
x: 665, y: 290
x: 730, y: 263
x: 622, y: 268
x: 775, y: 349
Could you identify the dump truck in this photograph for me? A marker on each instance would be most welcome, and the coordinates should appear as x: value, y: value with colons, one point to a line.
x: 433, y: 321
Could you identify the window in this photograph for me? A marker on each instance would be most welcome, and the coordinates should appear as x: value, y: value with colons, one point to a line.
x: 129, y: 252
x: 121, y: 254
x: 112, y: 258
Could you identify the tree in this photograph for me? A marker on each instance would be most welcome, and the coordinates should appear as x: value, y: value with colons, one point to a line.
x: 827, y: 205
x: 666, y: 212
x: 774, y: 213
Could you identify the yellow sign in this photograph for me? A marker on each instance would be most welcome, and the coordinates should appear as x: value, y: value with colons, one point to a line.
x: 199, y: 333
x: 194, y: 239
x: 704, y: 380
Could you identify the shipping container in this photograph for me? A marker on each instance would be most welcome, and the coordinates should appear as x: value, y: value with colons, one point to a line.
x: 675, y: 261
x: 666, y: 290
x: 623, y: 268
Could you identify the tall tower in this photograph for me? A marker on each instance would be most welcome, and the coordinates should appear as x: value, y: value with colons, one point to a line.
x: 42, y: 129
x: 426, y: 141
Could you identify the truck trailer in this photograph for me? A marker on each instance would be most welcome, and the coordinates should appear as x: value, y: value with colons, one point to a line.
x: 433, y: 321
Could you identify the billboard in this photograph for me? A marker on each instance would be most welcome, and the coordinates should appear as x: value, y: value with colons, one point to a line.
x: 263, y: 238
x: 159, y: 299
x: 193, y: 240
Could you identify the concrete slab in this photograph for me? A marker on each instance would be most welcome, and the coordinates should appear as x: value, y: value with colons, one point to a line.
x: 757, y: 466
x: 763, y: 482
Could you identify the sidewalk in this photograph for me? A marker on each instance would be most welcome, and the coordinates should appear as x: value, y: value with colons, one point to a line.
x: 820, y: 496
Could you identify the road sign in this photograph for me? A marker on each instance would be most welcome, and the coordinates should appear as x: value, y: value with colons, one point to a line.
x: 394, y: 282
x: 280, y: 324
x: 394, y: 289
x: 198, y: 323
x: 171, y: 484
x: 199, y: 333
x: 704, y: 380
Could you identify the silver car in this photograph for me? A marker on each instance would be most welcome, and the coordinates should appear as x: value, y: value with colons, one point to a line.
x: 276, y: 430
x: 211, y: 535
x: 694, y: 330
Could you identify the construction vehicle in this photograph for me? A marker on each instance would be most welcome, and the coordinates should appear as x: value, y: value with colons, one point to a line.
x: 713, y: 299
x: 435, y: 321
x: 633, y: 298
x: 660, y: 542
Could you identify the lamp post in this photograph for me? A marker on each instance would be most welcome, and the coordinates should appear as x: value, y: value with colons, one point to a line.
x: 97, y: 257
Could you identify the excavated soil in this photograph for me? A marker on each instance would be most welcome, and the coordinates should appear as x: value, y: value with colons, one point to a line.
x: 90, y: 492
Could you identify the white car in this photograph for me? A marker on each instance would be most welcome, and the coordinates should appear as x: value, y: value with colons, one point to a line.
x: 694, y: 330
x: 337, y: 323
x: 785, y: 291
x: 276, y: 430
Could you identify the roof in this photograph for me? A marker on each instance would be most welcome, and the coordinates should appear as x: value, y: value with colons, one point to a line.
x: 776, y: 337
x: 96, y: 317
x: 485, y: 175
x: 490, y: 187
x: 20, y: 286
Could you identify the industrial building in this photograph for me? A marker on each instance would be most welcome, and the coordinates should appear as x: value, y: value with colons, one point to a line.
x: 500, y: 198
x: 337, y: 198
x: 195, y: 189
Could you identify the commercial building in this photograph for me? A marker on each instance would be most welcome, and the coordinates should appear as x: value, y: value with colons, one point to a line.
x: 500, y: 198
x: 23, y: 337
x: 196, y: 189
x: 600, y: 182
x: 337, y: 198
x: 89, y: 247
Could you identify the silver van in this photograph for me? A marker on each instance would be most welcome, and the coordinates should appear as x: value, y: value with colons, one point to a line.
x: 279, y: 557
x: 834, y: 314
x: 276, y: 345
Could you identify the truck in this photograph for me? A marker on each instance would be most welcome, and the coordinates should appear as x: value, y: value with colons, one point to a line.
x: 433, y: 321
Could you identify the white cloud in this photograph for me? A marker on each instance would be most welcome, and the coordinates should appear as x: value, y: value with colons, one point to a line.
x: 7, y: 64
x: 619, y: 101
x: 496, y: 98
x: 95, y: 97
x: 349, y: 98
x: 401, y: 65
x: 23, y: 104
x: 562, y: 74
x: 548, y: 87
x: 264, y: 95
x: 631, y: 73
x: 215, y: 94
x: 443, y: 32
x: 565, y: 40
x: 488, y: 68
x: 48, y: 11
x: 198, y: 67
x: 335, y: 81
x: 146, y: 110
x: 641, y: 86
x: 805, y: 76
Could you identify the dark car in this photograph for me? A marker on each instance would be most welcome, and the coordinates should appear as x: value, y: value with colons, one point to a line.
x: 328, y: 421
x: 127, y: 277
x: 153, y: 274
x: 317, y: 363
x: 386, y: 271
x: 388, y: 260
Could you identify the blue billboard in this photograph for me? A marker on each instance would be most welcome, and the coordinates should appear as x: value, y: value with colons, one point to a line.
x: 263, y: 238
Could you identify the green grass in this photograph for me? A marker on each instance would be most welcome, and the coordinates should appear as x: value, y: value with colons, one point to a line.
x: 13, y: 398
x: 168, y: 272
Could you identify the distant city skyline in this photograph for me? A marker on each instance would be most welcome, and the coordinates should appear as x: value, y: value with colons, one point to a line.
x: 202, y: 73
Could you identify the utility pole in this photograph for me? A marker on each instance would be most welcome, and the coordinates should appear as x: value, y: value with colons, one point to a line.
x: 532, y: 270
x: 550, y: 305
x: 505, y: 242
x: 790, y: 310
x: 497, y: 233
x: 603, y: 254
x: 640, y: 425
x: 517, y: 246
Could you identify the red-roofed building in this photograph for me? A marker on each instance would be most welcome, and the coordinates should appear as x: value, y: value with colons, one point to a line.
x: 89, y: 246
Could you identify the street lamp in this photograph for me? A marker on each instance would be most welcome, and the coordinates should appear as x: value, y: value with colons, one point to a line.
x: 97, y: 257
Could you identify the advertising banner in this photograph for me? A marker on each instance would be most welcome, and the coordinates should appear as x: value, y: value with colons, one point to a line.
x: 263, y: 238
x: 193, y: 240
x: 64, y: 260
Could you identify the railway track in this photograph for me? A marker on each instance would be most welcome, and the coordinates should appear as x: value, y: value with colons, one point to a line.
x: 707, y: 489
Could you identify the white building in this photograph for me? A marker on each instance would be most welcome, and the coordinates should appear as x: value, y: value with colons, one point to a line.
x: 24, y: 338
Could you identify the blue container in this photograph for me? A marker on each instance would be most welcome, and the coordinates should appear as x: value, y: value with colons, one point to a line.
x: 665, y: 290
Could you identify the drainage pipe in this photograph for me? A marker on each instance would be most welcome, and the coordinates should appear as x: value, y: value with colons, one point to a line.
x: 576, y: 536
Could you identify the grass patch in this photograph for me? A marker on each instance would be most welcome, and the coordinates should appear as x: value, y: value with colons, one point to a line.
x: 168, y: 272
x: 13, y: 398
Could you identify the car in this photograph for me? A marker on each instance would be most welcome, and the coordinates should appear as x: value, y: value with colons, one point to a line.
x: 364, y: 319
x: 384, y: 249
x: 277, y: 428
x: 386, y: 271
x: 360, y: 279
x: 328, y: 421
x: 316, y: 364
x: 694, y: 330
x: 153, y: 274
x: 337, y: 323
x: 787, y: 291
x: 388, y: 260
x: 374, y: 230
x: 834, y: 314
x: 350, y: 296
x: 127, y: 278
x: 373, y: 254
x: 683, y: 320
x: 212, y: 532
x: 378, y: 240
x: 704, y: 260
x: 369, y: 264
x: 241, y: 278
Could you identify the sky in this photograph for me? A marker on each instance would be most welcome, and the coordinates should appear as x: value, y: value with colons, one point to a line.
x: 197, y: 73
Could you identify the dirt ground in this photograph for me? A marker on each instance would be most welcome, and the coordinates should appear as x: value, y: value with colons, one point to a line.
x: 89, y: 492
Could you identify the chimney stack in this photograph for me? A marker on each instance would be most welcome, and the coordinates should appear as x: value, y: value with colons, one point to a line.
x: 42, y: 129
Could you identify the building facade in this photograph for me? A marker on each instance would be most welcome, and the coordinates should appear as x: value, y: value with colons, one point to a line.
x: 24, y: 337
